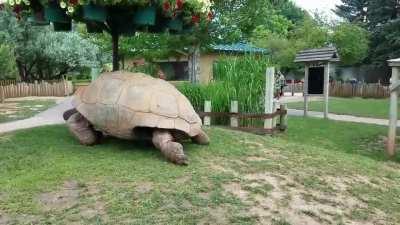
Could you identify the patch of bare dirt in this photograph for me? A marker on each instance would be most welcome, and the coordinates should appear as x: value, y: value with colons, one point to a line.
x: 297, y: 205
x: 65, y: 198
x: 217, y: 215
x: 144, y: 187
x: 183, y: 180
x: 223, y: 169
x: 4, y: 219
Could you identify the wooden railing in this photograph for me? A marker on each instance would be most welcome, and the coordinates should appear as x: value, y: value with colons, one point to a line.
x: 278, y: 119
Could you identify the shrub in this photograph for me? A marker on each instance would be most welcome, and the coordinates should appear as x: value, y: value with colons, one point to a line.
x: 239, y: 78
x: 8, y: 68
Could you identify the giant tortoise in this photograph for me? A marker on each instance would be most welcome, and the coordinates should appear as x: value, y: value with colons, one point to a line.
x: 135, y: 106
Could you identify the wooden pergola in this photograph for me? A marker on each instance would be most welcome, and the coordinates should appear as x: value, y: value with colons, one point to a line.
x: 394, y: 89
x: 317, y: 68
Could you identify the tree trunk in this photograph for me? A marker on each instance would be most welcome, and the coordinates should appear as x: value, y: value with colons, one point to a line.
x: 115, y: 39
x: 21, y: 71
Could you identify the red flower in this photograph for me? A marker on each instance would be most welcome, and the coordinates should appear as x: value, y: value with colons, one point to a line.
x: 179, y: 4
x: 73, y: 2
x: 166, y: 6
x: 195, y: 18
x: 210, y: 16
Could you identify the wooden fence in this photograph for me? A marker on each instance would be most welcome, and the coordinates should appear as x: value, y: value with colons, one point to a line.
x: 338, y: 89
x: 43, y: 88
x: 278, y: 118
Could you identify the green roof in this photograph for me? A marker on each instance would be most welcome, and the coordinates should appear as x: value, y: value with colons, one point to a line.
x: 239, y: 48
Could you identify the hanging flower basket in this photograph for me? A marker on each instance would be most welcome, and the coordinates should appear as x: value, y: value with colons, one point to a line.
x: 145, y: 16
x: 62, y: 26
x: 175, y: 25
x: 93, y: 12
x: 94, y: 27
x: 54, y: 13
x: 122, y: 22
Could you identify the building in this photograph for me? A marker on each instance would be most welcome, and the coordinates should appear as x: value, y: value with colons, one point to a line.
x: 198, y: 67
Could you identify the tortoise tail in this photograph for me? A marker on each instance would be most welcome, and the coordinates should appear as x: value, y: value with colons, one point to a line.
x: 67, y: 114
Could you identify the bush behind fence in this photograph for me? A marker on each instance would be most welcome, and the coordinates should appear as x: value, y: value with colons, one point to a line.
x: 44, y: 88
x: 337, y: 89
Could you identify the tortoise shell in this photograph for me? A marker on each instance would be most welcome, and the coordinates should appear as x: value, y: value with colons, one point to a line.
x: 118, y: 102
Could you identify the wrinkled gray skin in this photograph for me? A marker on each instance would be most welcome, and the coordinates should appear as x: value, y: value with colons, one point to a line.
x: 164, y: 140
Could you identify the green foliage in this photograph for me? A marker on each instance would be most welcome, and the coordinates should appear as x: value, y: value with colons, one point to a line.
x: 237, y: 20
x: 381, y: 18
x: 147, y: 68
x: 283, y: 48
x: 8, y: 69
x: 43, y: 54
x: 352, y: 10
x: 352, y: 42
x: 241, y: 79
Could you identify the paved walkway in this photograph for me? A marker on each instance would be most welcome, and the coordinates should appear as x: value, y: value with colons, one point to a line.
x: 51, y: 116
x: 346, y: 118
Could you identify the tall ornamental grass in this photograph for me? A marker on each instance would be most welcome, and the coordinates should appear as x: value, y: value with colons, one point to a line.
x: 235, y: 78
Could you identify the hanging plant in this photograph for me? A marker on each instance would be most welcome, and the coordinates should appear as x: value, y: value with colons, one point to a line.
x: 18, y: 6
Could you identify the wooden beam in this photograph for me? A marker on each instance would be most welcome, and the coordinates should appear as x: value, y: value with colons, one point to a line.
x: 326, y: 89
x: 269, y: 95
x: 207, y: 108
x: 395, y: 86
x: 305, y: 88
x: 391, y: 143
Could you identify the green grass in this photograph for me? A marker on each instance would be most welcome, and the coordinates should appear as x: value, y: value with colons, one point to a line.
x: 23, y: 109
x: 133, y: 184
x: 375, y: 108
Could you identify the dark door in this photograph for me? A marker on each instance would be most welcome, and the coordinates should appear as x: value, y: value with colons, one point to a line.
x: 316, y: 81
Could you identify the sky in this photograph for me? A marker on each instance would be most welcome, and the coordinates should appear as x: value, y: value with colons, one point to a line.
x: 324, y: 6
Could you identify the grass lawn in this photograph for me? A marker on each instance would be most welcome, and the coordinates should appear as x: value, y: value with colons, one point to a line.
x: 320, y: 172
x: 376, y: 108
x: 18, y: 110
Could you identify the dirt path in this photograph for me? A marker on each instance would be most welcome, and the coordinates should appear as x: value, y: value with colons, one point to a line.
x: 49, y: 117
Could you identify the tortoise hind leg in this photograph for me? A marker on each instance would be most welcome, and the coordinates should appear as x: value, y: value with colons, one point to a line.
x: 201, y: 138
x: 82, y: 129
x: 173, y: 151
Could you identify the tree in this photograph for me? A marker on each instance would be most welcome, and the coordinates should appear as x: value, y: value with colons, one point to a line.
x: 237, y: 20
x: 42, y: 54
x: 353, y: 10
x: 381, y: 18
x: 7, y: 63
x: 352, y: 42
x: 283, y: 49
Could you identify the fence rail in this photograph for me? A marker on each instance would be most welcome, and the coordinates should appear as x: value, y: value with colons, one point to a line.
x: 278, y: 119
x: 363, y: 90
x: 44, y: 88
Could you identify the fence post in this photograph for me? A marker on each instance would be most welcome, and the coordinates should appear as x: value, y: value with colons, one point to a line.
x: 275, y: 109
x: 207, y: 109
x: 293, y: 87
x: 2, y: 96
x: 234, y: 118
x: 305, y: 88
x: 391, y: 143
x: 269, y: 95
x: 283, y: 118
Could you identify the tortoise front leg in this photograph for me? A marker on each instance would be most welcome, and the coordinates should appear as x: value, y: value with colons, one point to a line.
x: 82, y: 129
x: 173, y: 151
x: 201, y: 139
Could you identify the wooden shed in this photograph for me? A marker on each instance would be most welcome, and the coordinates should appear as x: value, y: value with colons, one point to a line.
x: 317, y: 67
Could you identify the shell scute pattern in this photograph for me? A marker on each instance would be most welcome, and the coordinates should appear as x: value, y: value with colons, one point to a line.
x: 120, y: 101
